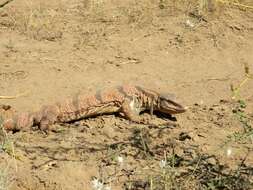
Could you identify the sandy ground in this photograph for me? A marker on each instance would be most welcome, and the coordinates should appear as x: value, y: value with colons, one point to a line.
x: 51, y: 50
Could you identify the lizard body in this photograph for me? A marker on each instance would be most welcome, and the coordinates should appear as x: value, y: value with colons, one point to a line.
x: 127, y: 100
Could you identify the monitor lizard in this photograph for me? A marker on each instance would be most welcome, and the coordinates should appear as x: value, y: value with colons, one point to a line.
x: 128, y: 100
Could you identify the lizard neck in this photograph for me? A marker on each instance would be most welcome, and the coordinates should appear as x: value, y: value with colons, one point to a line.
x: 150, y: 102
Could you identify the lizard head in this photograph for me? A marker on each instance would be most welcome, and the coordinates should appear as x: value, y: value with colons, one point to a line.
x: 169, y: 105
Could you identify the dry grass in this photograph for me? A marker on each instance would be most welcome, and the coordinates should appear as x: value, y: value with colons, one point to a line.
x: 191, y: 170
x: 47, y: 23
x: 236, y: 3
x: 36, y: 22
x: 5, y: 179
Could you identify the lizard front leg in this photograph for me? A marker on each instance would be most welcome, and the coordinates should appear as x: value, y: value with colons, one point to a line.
x: 131, y: 111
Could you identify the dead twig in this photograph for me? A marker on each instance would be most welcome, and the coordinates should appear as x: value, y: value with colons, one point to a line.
x: 15, y: 96
x: 5, y: 3
x: 236, y: 4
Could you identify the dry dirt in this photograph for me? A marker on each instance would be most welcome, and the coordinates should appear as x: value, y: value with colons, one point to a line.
x: 51, y: 50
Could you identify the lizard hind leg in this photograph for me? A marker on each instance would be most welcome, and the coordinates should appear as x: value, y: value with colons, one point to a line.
x: 48, y: 116
x: 44, y: 124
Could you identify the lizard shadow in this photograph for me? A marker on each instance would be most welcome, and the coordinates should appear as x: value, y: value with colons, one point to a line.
x: 165, y: 116
x: 160, y: 115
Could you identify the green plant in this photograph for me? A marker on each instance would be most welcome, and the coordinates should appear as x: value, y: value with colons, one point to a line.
x: 201, y: 171
x: 239, y: 109
x: 236, y: 90
x: 6, y: 144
